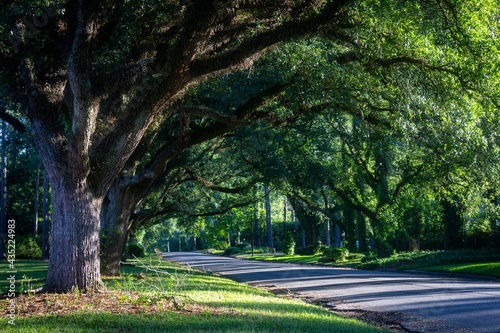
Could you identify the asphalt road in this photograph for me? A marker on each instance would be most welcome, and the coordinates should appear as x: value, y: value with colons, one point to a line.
x: 423, y: 303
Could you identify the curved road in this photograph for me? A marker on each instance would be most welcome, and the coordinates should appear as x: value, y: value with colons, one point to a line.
x: 423, y: 303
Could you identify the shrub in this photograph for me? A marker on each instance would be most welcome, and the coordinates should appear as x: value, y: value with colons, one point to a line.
x: 27, y: 248
x: 135, y: 250
x: 334, y: 254
x: 368, y: 258
x: 220, y: 245
x: 355, y: 256
x: 312, y: 249
x: 371, y: 265
x: 289, y: 244
x: 407, y: 260
x: 304, y: 251
x: 232, y: 250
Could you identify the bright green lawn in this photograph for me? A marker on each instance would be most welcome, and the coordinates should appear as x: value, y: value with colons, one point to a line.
x: 306, y: 259
x: 484, y: 268
x: 423, y: 260
x: 30, y: 274
x: 302, y: 259
x: 206, y: 304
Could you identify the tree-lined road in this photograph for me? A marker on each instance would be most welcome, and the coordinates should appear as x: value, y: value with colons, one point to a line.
x: 425, y: 303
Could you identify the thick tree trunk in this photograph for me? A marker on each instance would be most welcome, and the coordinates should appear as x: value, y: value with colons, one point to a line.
x: 37, y: 189
x: 46, y: 218
x: 311, y: 232
x: 336, y: 238
x: 362, y: 235
x: 115, y: 226
x: 328, y: 235
x: 74, y: 250
x: 309, y: 221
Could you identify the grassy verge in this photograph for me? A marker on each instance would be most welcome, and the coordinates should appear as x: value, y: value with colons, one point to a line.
x: 458, y: 261
x: 352, y: 261
x: 158, y: 296
x: 298, y: 259
x: 422, y: 259
x: 486, y: 269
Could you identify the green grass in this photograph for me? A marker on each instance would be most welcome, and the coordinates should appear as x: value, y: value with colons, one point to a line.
x: 422, y: 259
x: 30, y: 274
x: 486, y: 268
x: 304, y: 259
x: 205, y: 303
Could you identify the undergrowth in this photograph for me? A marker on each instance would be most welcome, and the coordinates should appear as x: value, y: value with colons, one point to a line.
x: 419, y: 259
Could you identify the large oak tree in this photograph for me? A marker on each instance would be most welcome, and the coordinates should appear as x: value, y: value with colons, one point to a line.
x: 93, y: 76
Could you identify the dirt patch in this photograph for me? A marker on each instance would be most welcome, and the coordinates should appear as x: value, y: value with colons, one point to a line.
x: 42, y: 304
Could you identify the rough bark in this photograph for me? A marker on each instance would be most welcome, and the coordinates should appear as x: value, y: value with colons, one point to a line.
x: 74, y: 241
x: 115, y: 225
x: 46, y: 218
x: 35, y: 206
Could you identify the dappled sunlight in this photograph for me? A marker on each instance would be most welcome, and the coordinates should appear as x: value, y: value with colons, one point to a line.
x: 203, y: 322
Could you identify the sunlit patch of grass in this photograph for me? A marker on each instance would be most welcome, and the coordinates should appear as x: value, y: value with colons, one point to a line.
x: 305, y: 259
x: 299, y: 259
x: 200, y: 302
x: 486, y: 268
x: 203, y: 322
x: 422, y: 259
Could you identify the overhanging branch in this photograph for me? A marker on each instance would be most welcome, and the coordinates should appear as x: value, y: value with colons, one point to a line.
x: 214, y: 187
x: 252, y: 46
x: 14, y: 122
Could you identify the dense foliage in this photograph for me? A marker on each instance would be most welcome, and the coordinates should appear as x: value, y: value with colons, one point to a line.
x: 377, y: 118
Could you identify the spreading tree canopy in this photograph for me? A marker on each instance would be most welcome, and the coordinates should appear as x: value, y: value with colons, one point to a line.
x: 93, y: 77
